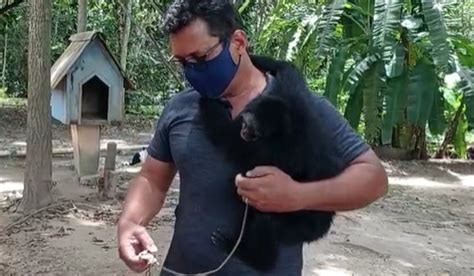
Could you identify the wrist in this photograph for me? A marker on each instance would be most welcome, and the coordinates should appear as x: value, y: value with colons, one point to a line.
x: 300, y: 195
x: 310, y: 195
x: 128, y: 220
x: 123, y: 221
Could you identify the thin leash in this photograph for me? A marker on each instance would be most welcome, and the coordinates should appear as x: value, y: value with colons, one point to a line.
x: 244, y: 220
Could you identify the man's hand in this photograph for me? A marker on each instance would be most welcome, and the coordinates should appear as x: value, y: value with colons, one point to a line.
x: 133, y: 239
x: 269, y: 190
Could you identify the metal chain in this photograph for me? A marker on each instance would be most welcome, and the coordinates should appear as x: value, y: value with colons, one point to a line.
x: 244, y: 221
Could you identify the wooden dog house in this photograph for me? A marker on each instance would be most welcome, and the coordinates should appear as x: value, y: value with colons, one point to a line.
x: 88, y: 90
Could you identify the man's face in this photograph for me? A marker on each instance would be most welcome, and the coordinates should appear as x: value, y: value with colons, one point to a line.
x: 193, y: 43
x: 217, y: 68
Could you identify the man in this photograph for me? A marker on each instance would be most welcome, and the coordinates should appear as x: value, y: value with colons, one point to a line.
x: 208, y: 42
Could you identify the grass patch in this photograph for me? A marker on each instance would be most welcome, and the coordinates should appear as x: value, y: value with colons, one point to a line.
x: 13, y: 102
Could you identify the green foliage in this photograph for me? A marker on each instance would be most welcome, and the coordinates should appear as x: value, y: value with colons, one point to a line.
x: 14, y: 37
x: 372, y: 84
x: 334, y: 76
x: 411, y: 39
x: 354, y: 107
x: 395, y: 104
x: 326, y: 27
x: 464, y: 49
x: 386, y: 25
x: 460, y: 144
x: 304, y: 34
x: 3, y: 92
x: 396, y: 64
x: 357, y: 72
x: 437, y: 121
x: 467, y: 86
x: 438, y: 35
x: 453, y: 104
x: 380, y: 62
x: 422, y: 84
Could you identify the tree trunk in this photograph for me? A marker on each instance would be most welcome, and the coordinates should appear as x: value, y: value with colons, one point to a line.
x: 38, y: 171
x: 125, y: 31
x: 5, y: 50
x: 82, y: 16
x: 450, y: 133
x: 421, y: 148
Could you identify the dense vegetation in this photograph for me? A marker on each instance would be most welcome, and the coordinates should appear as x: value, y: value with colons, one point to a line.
x: 401, y: 71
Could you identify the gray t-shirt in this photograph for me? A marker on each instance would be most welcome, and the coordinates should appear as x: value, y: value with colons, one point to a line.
x: 208, y: 200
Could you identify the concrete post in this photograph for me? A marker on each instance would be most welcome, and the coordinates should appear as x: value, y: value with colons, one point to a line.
x: 86, y: 145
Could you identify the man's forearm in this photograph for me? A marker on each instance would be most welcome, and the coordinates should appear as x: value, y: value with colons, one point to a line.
x: 356, y: 187
x: 144, y: 200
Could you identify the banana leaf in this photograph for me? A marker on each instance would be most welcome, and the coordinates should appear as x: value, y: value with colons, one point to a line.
x: 422, y: 87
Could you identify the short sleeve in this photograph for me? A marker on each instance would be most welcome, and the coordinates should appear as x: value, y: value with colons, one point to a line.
x: 159, y: 147
x: 346, y: 143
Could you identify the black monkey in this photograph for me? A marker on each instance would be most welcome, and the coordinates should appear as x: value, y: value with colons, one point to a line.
x: 272, y: 130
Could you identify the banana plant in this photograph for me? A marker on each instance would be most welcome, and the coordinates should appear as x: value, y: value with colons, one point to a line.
x: 391, y: 62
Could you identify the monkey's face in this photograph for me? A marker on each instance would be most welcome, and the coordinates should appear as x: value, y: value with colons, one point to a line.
x: 250, y: 127
x: 263, y: 119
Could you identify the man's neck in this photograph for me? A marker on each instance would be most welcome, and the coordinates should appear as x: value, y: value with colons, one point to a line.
x: 247, y: 85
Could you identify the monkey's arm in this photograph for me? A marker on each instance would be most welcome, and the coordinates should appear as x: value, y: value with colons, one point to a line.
x: 360, y: 184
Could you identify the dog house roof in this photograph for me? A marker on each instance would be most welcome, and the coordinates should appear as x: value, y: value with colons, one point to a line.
x: 79, y: 43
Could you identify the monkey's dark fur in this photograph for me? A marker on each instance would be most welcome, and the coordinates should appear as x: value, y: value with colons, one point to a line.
x: 272, y: 130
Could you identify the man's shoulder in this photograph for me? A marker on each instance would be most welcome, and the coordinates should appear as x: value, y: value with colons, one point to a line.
x: 318, y: 104
x: 184, y: 98
x: 182, y: 103
x: 341, y: 141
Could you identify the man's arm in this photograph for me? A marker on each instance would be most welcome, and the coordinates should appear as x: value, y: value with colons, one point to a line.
x: 144, y: 200
x: 271, y: 190
x: 360, y: 184
x: 147, y: 191
x: 363, y: 179
x: 146, y: 196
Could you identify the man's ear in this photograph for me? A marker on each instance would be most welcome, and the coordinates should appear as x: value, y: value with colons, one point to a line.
x: 239, y: 38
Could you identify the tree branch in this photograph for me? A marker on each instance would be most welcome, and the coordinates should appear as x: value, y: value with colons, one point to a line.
x: 163, y: 60
x: 8, y: 6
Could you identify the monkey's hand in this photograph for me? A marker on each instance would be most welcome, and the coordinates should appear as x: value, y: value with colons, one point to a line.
x: 269, y: 189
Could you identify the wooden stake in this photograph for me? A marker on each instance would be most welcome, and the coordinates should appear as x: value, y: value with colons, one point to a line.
x: 108, y: 183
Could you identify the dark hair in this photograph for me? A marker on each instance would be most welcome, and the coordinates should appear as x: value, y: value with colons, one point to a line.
x: 220, y: 15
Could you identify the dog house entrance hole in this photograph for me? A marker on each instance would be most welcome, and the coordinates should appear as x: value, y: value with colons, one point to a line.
x: 95, y: 100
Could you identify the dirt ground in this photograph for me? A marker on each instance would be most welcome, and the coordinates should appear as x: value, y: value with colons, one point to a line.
x: 423, y: 226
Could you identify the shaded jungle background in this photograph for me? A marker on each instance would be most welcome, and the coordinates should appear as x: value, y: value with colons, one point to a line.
x: 400, y: 71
